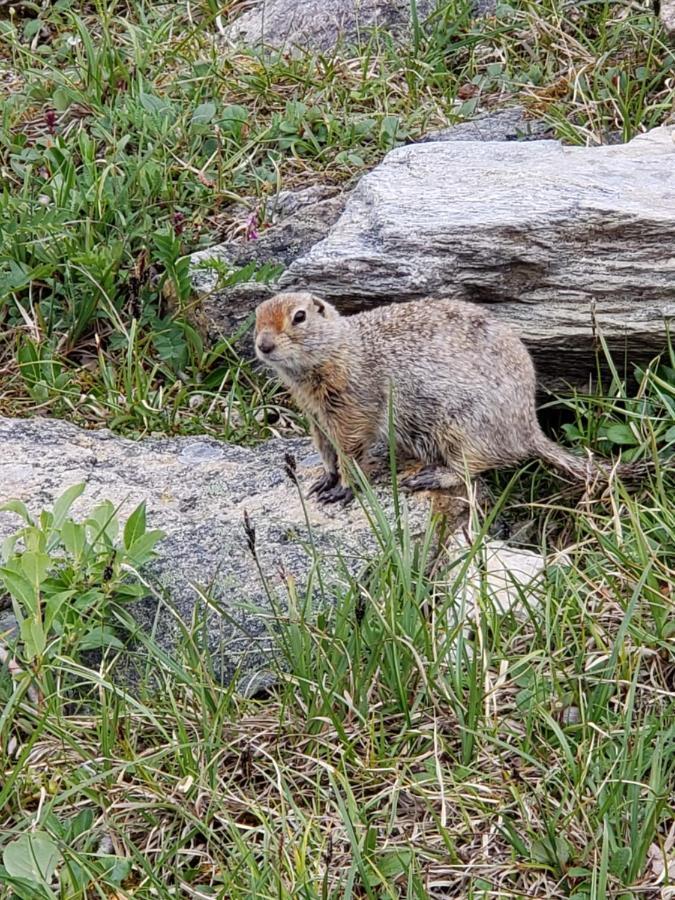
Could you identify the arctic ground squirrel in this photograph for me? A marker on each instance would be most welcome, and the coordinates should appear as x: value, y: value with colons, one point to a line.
x: 458, y: 385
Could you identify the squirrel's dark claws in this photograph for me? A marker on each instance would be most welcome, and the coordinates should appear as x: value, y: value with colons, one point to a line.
x: 338, y: 494
x: 327, y: 481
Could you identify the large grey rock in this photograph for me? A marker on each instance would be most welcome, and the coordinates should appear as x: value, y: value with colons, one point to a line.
x: 558, y: 240
x: 321, y: 25
x: 297, y: 220
x: 197, y: 490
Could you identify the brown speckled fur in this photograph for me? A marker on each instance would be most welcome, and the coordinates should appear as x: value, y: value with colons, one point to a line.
x: 463, y: 386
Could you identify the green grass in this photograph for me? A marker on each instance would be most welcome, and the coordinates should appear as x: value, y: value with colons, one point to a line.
x: 532, y: 755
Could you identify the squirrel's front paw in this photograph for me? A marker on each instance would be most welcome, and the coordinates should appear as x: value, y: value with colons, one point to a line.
x: 339, y: 494
x: 327, y: 481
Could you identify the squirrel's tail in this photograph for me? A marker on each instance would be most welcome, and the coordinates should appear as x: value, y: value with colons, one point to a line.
x: 588, y: 469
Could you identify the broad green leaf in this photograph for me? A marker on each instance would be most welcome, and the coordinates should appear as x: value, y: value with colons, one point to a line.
x: 33, y: 856
x: 53, y: 606
x: 135, y: 526
x: 234, y: 115
x: 22, y: 888
x: 79, y: 824
x: 34, y: 538
x: 154, y: 104
x: 35, y: 567
x: 113, y: 870
x: 88, y: 598
x: 33, y: 637
x: 552, y: 851
x: 133, y: 591
x: 73, y: 537
x: 621, y: 434
x: 20, y: 588
x: 204, y: 113
x: 16, y: 506
x: 620, y: 860
x: 391, y: 866
x: 61, y: 99
x: 103, y: 521
x: 143, y: 549
x: 7, y: 547
x: 100, y: 637
x: 46, y: 520
x: 65, y: 501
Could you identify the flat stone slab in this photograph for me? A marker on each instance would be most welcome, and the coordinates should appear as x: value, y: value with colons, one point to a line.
x: 197, y: 490
x: 560, y: 241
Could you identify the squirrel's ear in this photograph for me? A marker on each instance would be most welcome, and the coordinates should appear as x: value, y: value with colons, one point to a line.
x: 320, y: 306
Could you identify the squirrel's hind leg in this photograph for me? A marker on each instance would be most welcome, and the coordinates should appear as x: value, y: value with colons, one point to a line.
x: 432, y: 478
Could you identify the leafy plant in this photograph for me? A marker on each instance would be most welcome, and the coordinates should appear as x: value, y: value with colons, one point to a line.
x: 37, y: 861
x: 63, y: 576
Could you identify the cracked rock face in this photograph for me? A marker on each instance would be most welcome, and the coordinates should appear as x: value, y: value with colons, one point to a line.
x: 560, y: 241
x: 196, y: 490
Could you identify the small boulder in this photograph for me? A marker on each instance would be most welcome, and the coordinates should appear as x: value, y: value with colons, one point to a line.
x: 510, y: 124
x: 667, y: 16
x: 321, y: 26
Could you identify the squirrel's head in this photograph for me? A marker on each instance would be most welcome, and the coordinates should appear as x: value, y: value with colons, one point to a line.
x: 293, y: 331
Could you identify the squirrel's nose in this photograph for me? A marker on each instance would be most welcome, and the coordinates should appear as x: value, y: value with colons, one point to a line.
x: 265, y: 344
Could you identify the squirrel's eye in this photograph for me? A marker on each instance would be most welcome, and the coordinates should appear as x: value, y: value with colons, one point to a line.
x: 299, y: 317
